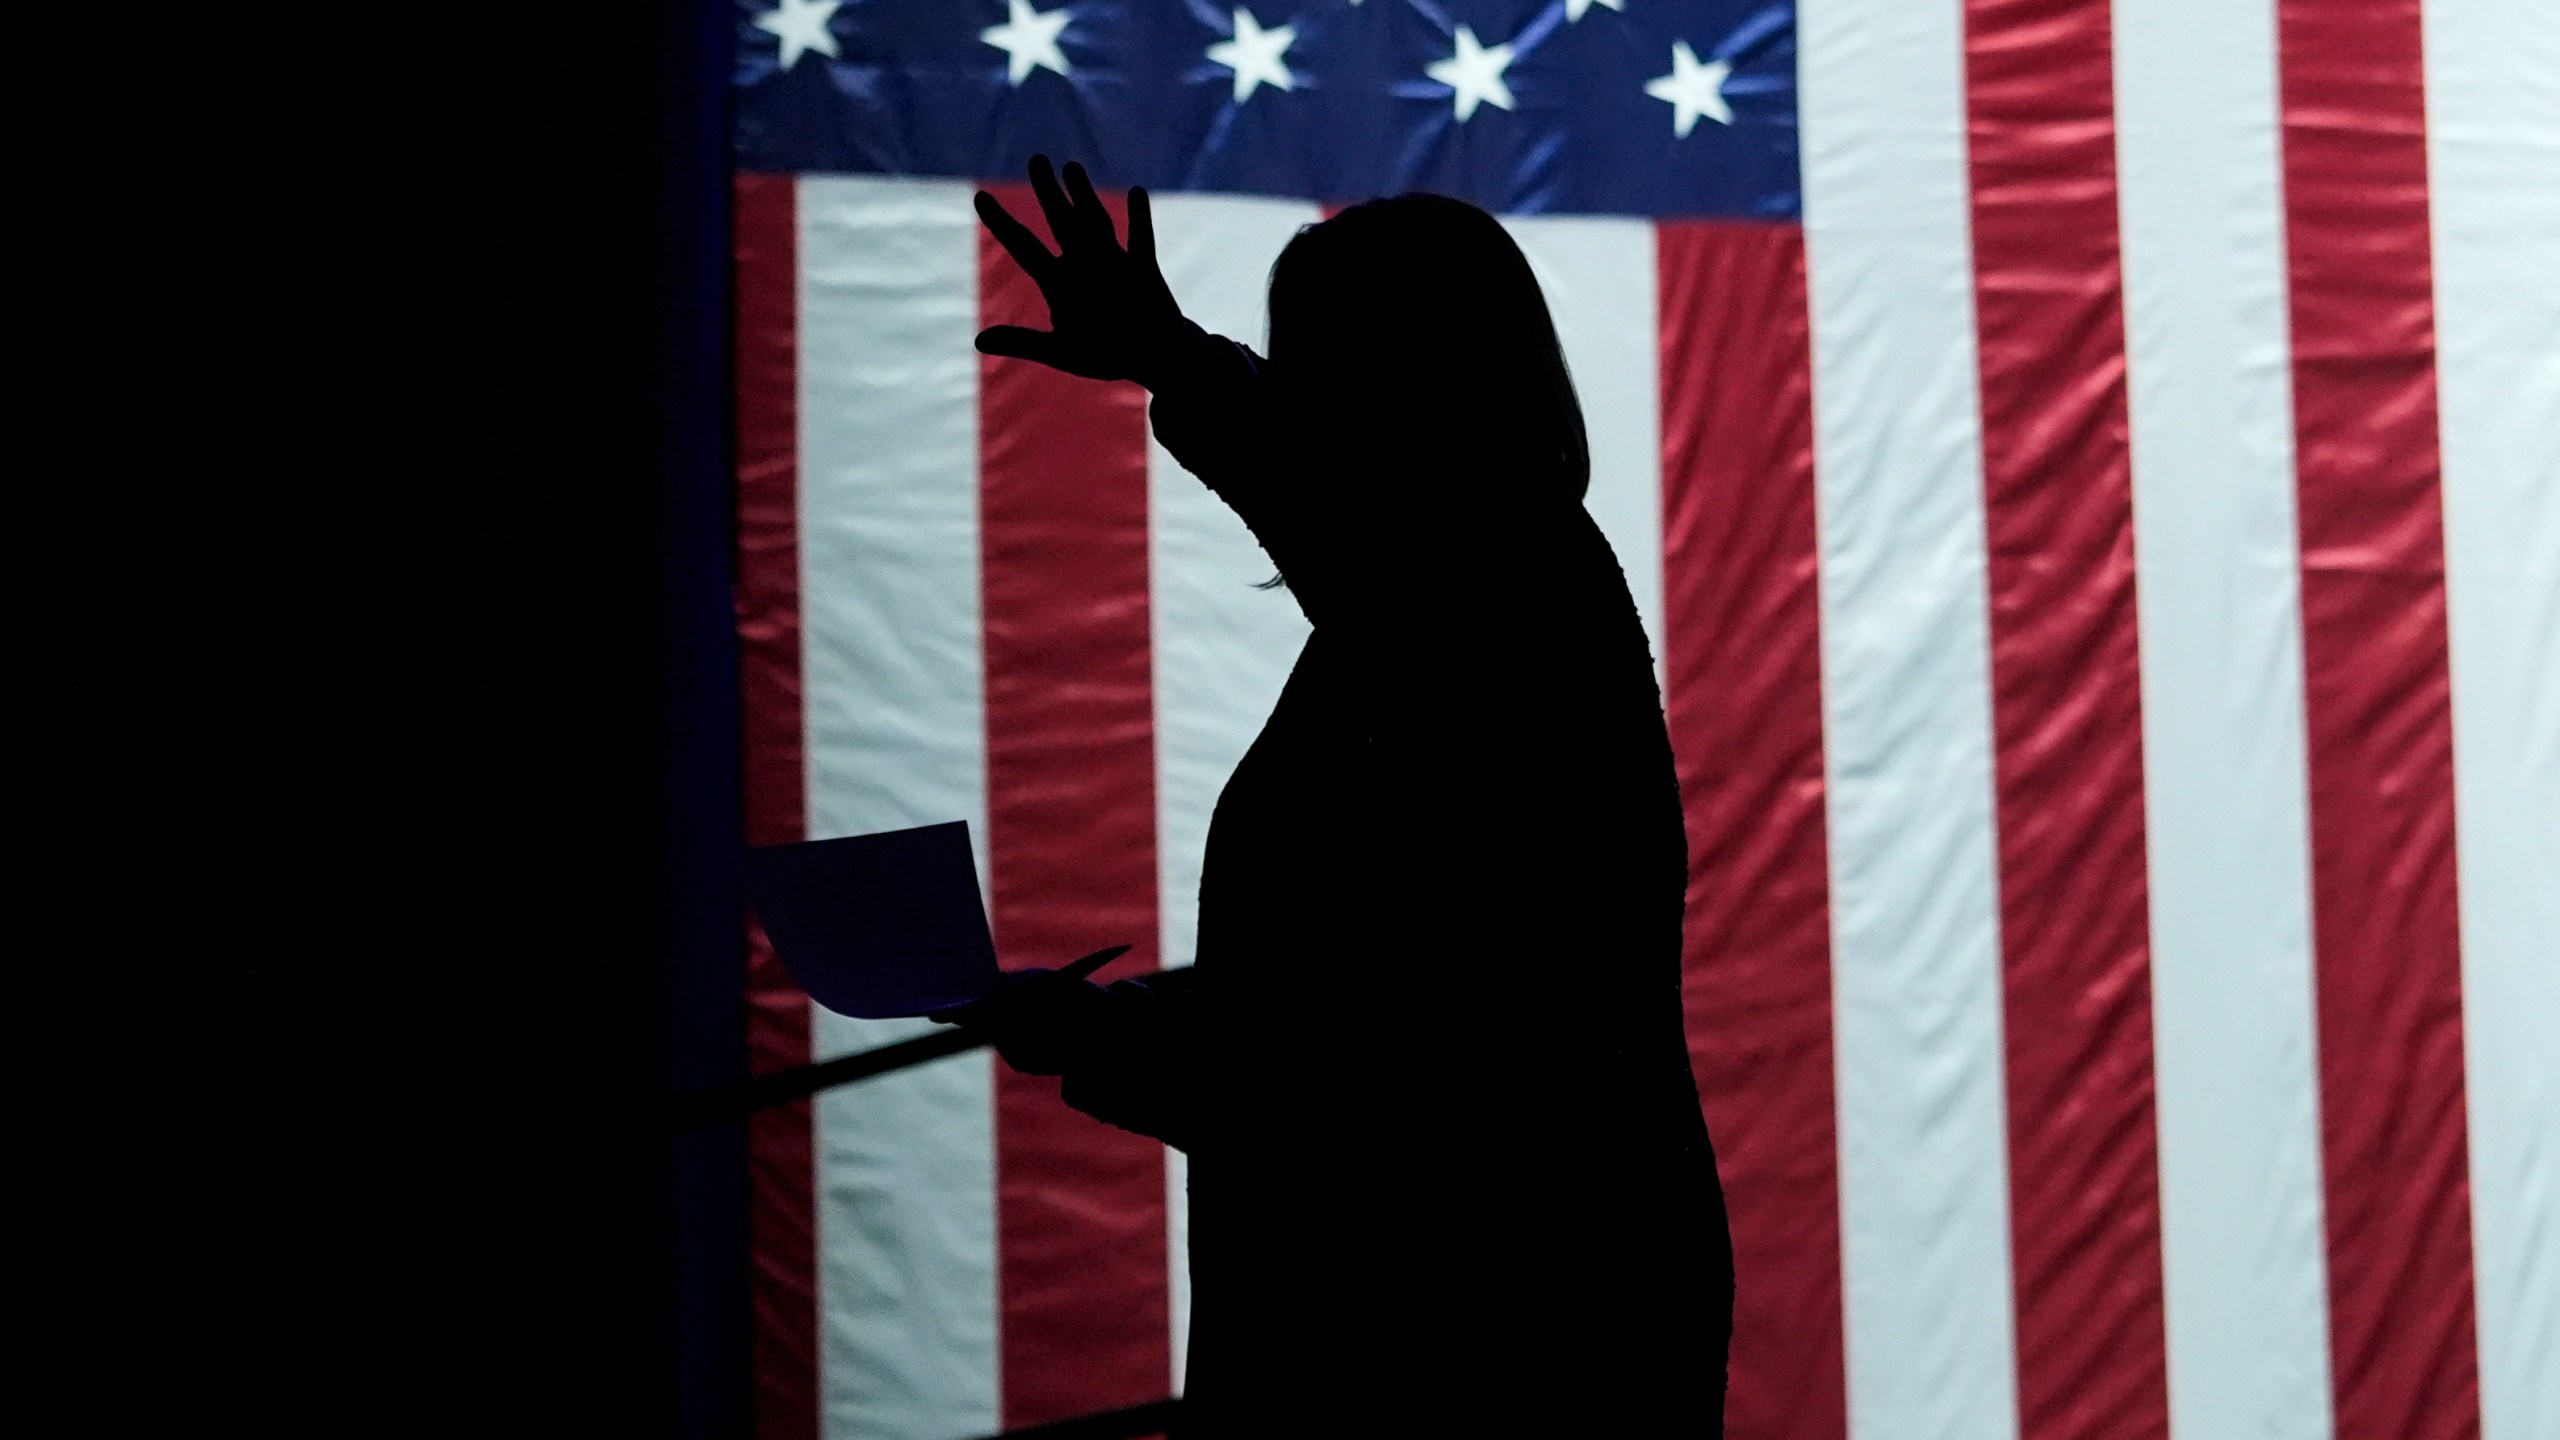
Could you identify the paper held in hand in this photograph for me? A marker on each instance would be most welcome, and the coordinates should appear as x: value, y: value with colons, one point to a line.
x: 878, y: 925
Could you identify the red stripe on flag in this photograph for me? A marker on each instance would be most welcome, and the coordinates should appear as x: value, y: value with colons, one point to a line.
x: 780, y: 1148
x: 1742, y: 656
x: 1071, y: 849
x: 2067, y: 721
x: 2379, y: 721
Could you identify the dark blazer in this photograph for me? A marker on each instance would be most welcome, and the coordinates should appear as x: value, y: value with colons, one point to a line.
x: 1448, y: 1168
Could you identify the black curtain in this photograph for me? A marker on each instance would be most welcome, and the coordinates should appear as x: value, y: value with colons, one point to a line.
x: 605, y: 977
x: 373, y: 503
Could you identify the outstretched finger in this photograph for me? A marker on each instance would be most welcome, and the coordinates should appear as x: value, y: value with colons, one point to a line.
x: 1091, y: 213
x: 1053, y: 202
x: 1020, y: 342
x: 1142, y: 228
x: 1015, y: 237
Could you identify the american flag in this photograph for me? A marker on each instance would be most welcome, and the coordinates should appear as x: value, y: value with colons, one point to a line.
x: 2092, y: 478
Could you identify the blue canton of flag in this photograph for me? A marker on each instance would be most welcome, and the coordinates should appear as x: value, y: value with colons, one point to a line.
x: 1626, y: 107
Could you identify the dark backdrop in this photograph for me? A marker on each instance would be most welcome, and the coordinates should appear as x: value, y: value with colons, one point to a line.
x: 605, y: 975
x: 377, y: 781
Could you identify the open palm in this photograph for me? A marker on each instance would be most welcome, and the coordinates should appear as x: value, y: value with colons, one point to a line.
x: 1111, y: 316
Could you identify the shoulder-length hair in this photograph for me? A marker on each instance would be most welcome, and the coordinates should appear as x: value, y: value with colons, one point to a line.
x: 1416, y: 323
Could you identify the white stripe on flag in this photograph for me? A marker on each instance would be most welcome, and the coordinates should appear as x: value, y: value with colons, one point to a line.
x: 2493, y: 157
x: 896, y: 737
x: 2222, y: 707
x: 1599, y: 276
x: 1222, y: 648
x: 1924, y: 1176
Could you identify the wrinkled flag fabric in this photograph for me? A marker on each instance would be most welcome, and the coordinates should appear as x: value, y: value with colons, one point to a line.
x: 2092, y: 479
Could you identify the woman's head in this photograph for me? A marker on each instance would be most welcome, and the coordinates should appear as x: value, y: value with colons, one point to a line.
x: 1416, y: 321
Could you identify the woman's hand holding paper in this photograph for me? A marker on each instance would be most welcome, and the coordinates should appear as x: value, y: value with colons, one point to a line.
x: 1042, y: 1021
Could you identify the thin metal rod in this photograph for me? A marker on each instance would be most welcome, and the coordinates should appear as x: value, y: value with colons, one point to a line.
x: 734, y: 1102
x: 1149, y: 1419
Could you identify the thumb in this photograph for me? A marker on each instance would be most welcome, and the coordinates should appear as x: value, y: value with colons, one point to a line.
x: 1020, y: 342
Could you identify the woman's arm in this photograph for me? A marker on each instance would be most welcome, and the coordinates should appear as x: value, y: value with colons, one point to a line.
x: 1140, y: 1075
x: 1124, y: 1050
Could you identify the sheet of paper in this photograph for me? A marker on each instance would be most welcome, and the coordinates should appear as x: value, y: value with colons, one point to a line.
x: 877, y: 925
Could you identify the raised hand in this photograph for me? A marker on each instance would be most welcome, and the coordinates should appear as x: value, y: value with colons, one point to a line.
x: 1111, y: 316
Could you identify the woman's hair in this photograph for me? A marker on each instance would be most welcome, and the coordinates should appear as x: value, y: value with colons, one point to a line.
x: 1417, y: 322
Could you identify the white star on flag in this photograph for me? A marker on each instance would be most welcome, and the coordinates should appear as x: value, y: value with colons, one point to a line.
x: 801, y: 26
x: 1256, y: 55
x: 1576, y: 9
x: 1693, y: 90
x: 1029, y: 40
x: 1475, y: 73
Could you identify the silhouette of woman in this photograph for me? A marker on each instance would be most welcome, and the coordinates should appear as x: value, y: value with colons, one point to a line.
x: 1448, y: 1170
